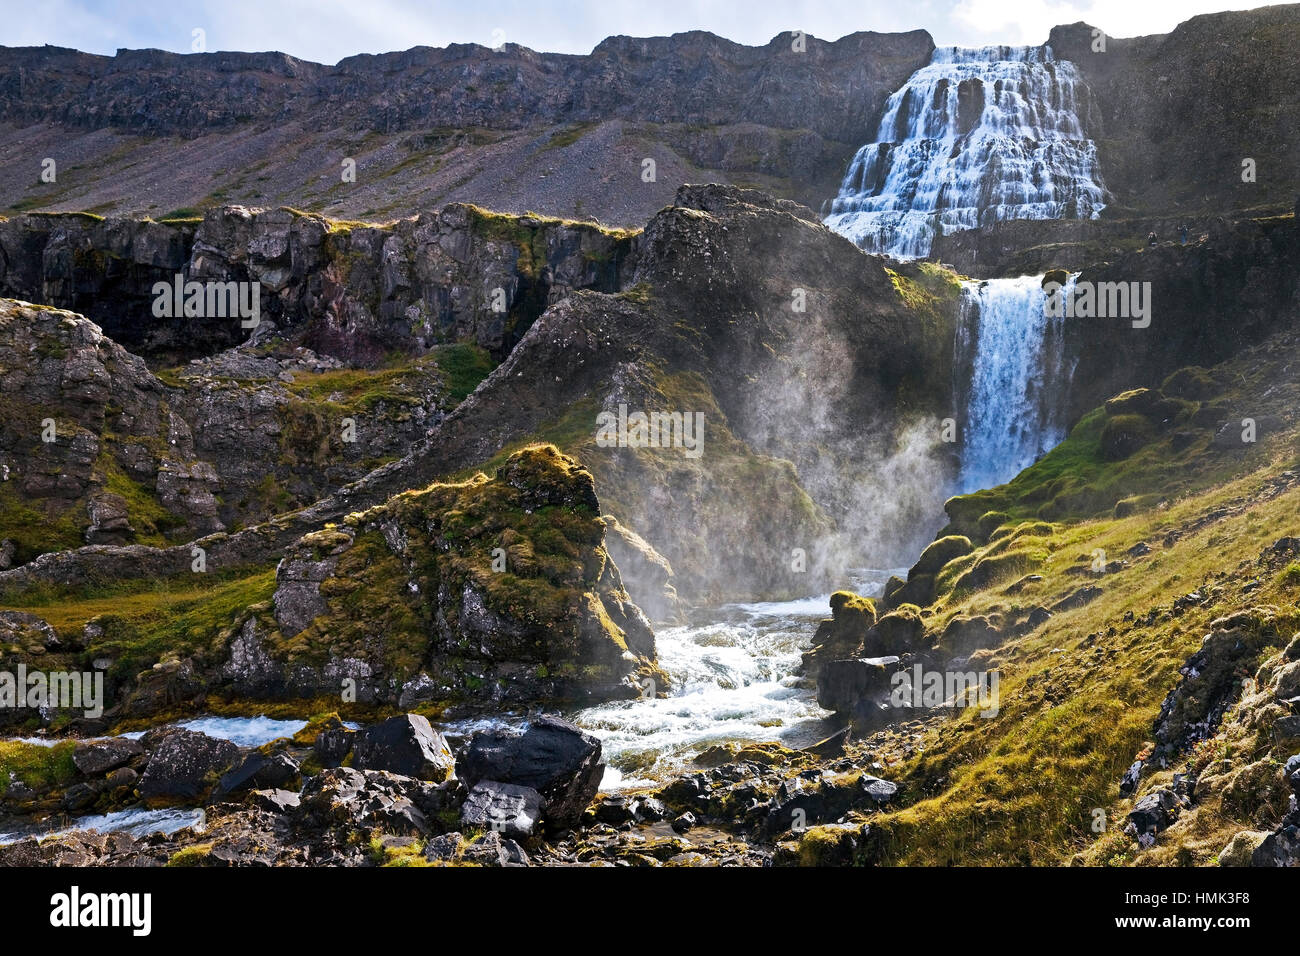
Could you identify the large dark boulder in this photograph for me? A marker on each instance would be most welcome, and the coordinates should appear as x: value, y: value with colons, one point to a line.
x: 183, y: 764
x: 552, y: 756
x: 405, y: 745
x: 259, y: 771
x: 845, y: 683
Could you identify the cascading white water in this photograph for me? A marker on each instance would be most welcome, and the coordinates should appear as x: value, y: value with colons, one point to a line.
x: 976, y: 136
x: 1010, y: 349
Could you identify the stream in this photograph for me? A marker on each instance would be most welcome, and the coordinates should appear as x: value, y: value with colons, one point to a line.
x: 734, y: 680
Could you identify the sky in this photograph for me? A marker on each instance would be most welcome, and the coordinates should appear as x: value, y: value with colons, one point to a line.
x: 325, y: 31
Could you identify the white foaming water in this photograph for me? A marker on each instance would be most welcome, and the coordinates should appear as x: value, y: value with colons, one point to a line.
x: 733, y: 680
x: 137, y: 822
x: 976, y: 136
x: 1014, y: 352
x: 245, y: 731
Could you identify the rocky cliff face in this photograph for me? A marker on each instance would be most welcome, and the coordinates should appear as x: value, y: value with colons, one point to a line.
x: 1179, y: 113
x: 95, y: 449
x: 1209, y: 299
x: 353, y: 290
x: 457, y: 123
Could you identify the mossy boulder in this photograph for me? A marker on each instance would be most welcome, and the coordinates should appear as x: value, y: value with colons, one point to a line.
x: 1122, y: 435
x: 843, y: 632
x: 1137, y: 401
x: 995, y: 568
x: 485, y: 590
x: 1192, y: 382
x: 990, y: 521
x: 898, y: 632
x: 939, y: 553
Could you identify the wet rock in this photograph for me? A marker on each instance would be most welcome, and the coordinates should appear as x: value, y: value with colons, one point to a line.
x: 684, y: 822
x: 95, y: 757
x: 258, y: 771
x: 649, y: 808
x: 502, y: 807
x: 493, y: 849
x: 332, y: 745
x: 858, y: 688
x: 832, y: 746
x: 361, y: 799
x: 552, y: 756
x: 183, y: 764
x: 406, y: 745
x: 79, y: 796
x: 615, y: 809
x: 275, y: 801
x: 121, y: 777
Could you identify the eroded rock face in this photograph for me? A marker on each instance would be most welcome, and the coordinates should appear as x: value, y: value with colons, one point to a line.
x: 356, y: 293
x: 94, y: 449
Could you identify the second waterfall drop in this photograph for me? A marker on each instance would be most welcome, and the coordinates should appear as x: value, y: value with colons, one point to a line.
x: 1009, y: 354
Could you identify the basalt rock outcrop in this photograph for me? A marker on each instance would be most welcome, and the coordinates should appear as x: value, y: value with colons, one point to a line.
x: 356, y: 291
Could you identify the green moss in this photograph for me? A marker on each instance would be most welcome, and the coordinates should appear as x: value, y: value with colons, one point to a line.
x: 38, y: 526
x: 1192, y: 382
x: 196, y: 855
x: 463, y: 367
x: 150, y: 520
x: 1122, y: 435
x: 144, y: 622
x: 36, y: 766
